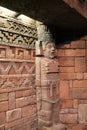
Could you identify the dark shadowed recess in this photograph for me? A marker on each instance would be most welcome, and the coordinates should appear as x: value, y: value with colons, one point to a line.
x: 66, y: 36
x: 65, y: 23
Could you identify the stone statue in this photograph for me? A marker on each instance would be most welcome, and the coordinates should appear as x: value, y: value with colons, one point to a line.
x: 49, y: 84
x: 47, y: 77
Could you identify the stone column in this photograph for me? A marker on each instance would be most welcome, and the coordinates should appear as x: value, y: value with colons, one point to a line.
x: 46, y: 77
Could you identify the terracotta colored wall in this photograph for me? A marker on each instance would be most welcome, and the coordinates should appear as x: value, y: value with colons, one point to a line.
x: 73, y: 82
x: 17, y: 89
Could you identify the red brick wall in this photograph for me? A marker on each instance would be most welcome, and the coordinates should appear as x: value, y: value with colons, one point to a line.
x: 73, y: 82
x: 17, y: 89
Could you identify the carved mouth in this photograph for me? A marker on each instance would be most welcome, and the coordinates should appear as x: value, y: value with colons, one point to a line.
x: 53, y: 52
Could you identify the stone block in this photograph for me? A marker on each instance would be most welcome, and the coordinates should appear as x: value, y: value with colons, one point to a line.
x: 78, y: 44
x: 3, y: 106
x: 12, y: 100
x: 80, y: 83
x: 24, y: 101
x: 68, y: 118
x: 13, y: 114
x: 76, y: 52
x: 66, y: 69
x: 69, y: 52
x: 66, y: 61
x: 29, y: 110
x: 64, y: 90
x: 79, y: 93
x: 66, y: 103
x: 80, y: 64
x: 85, y: 75
x: 2, y: 118
x: 61, y: 52
x: 3, y: 96
x: 19, y: 94
x: 67, y: 76
x: 82, y: 110
x: 79, y: 76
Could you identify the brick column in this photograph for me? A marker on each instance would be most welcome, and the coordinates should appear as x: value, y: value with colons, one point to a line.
x: 46, y: 78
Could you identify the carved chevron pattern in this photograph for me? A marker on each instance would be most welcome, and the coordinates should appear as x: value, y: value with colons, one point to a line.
x: 16, y: 68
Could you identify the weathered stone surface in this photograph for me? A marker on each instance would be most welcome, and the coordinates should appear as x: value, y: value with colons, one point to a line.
x: 82, y: 113
x: 13, y: 114
x: 79, y: 93
x: 68, y: 118
x: 2, y: 118
x: 3, y: 96
x: 12, y: 100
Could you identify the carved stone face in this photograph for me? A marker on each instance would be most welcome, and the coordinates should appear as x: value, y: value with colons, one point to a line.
x: 49, y: 50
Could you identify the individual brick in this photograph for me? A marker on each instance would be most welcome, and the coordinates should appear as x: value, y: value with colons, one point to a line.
x: 75, y: 103
x: 80, y: 64
x: 82, y: 113
x: 68, y: 118
x: 79, y: 76
x: 3, y: 106
x: 19, y: 94
x: 2, y: 118
x: 80, y: 83
x: 3, y: 96
x: 64, y: 90
x: 69, y: 52
x: 29, y: 110
x: 13, y: 114
x: 61, y: 52
x: 66, y: 103
x: 24, y: 101
x: 83, y: 101
x: 66, y: 69
x: 79, y: 93
x: 75, y: 52
x: 78, y: 44
x: 80, y: 52
x: 85, y: 75
x: 67, y: 76
x: 11, y: 100
x: 66, y: 61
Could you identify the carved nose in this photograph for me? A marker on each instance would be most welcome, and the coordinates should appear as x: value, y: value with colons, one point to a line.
x: 53, y: 49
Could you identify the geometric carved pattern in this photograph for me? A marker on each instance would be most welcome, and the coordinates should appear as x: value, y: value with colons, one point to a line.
x: 14, y: 33
x: 17, y: 82
x: 11, y: 68
x: 17, y: 68
x: 14, y: 53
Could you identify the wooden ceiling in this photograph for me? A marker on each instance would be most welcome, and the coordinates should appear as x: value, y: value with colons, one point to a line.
x: 55, y: 12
